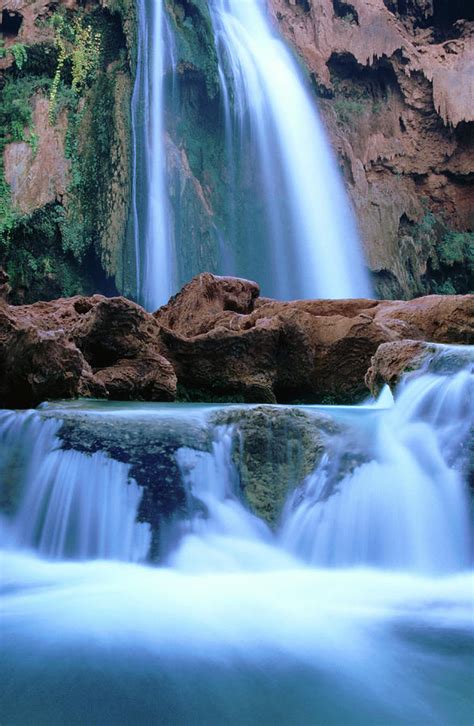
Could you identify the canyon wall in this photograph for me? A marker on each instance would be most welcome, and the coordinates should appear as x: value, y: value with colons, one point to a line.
x: 393, y: 80
x: 65, y: 86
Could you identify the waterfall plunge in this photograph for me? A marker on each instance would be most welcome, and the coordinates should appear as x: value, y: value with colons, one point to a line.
x: 308, y: 244
x: 312, y: 243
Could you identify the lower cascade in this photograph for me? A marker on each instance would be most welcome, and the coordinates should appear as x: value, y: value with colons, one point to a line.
x: 145, y: 579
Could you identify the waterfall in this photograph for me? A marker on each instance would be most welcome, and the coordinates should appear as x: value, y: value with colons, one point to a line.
x: 288, y: 223
x: 312, y: 247
x: 154, y: 260
x: 355, y: 609
x: 73, y: 505
x: 407, y: 507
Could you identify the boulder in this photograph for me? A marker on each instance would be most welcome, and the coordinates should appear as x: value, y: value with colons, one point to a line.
x: 274, y: 449
x: 314, y: 351
x: 94, y: 346
x: 216, y: 341
x: 392, y: 360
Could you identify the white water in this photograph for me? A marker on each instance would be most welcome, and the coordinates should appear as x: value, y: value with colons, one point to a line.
x: 308, y: 244
x: 73, y: 504
x: 407, y: 508
x: 241, y: 625
x: 154, y: 257
x: 313, y: 247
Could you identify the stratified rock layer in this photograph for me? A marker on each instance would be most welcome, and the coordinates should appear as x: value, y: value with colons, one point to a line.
x: 214, y: 341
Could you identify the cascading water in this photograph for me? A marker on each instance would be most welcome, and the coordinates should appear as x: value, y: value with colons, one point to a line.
x: 356, y: 609
x: 154, y: 256
x: 312, y: 247
x: 73, y: 504
x: 285, y: 219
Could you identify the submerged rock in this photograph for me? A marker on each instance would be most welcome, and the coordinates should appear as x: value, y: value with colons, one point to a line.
x: 148, y: 444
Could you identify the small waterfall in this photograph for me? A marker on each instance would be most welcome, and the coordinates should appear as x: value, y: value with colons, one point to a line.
x: 154, y: 257
x: 72, y: 505
x: 222, y: 535
x: 407, y: 507
x: 240, y: 625
x: 312, y: 247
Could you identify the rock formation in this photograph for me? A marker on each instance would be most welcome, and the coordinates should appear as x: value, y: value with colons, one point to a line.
x: 214, y: 341
x: 96, y: 346
x: 395, y: 87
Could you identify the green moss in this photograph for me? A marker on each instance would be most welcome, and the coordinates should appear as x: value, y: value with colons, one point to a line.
x: 15, y: 121
x: 274, y: 450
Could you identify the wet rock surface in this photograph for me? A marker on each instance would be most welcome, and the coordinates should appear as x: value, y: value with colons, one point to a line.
x: 274, y: 450
x: 214, y: 341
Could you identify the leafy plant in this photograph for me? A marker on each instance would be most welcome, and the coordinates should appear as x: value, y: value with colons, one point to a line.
x: 17, y: 50
x: 19, y: 54
x: 78, y: 46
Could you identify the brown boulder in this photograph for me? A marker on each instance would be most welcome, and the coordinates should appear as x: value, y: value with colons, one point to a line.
x: 218, y: 342
x: 192, y: 311
x: 392, y: 360
x: 81, y: 346
x: 306, y: 350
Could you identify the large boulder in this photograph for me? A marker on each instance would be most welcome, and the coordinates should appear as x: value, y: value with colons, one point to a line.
x: 214, y: 341
x: 300, y: 351
x: 95, y: 346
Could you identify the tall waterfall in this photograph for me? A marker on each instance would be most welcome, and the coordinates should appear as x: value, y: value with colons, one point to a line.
x: 154, y: 260
x: 312, y: 248
x: 288, y: 222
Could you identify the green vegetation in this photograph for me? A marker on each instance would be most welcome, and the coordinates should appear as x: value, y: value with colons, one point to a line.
x: 17, y: 50
x: 15, y: 125
x: 346, y: 108
x: 79, y: 46
x: 42, y: 271
x: 82, y: 68
x: 457, y: 248
x: 450, y: 255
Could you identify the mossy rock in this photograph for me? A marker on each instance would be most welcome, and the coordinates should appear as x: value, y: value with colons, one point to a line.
x: 275, y: 448
x: 149, y: 445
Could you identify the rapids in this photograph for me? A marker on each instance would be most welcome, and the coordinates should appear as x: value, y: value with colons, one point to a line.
x: 355, y: 609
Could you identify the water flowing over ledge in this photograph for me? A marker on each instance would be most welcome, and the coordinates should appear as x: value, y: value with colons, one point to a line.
x: 279, y: 168
x: 362, y: 579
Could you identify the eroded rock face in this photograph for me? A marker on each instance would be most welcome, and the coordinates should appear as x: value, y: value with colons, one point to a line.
x: 78, y: 346
x: 392, y: 360
x: 214, y: 341
x: 394, y: 81
x: 301, y: 351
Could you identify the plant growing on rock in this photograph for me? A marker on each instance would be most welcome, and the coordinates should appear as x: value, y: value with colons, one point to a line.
x: 17, y: 50
x: 79, y: 46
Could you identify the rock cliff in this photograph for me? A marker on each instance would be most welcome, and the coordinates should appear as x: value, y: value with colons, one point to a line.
x: 394, y: 82
x: 65, y: 85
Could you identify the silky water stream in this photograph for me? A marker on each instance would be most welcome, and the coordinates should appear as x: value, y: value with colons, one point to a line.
x: 356, y: 608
